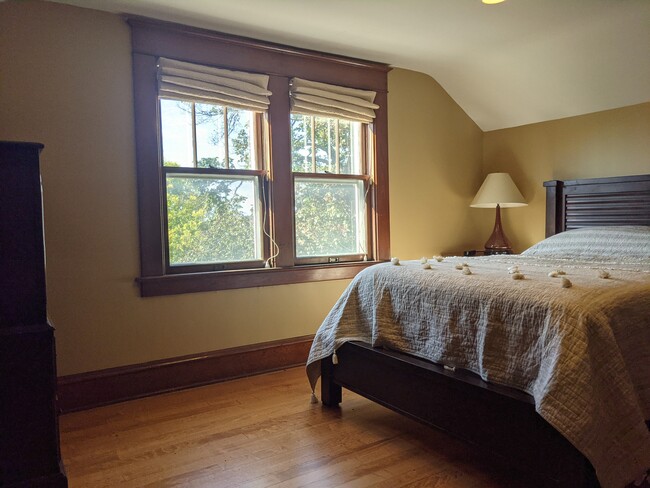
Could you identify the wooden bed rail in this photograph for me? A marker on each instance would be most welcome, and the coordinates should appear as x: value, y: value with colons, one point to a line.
x: 501, y: 421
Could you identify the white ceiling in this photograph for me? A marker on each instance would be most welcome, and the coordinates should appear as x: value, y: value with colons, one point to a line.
x: 515, y: 63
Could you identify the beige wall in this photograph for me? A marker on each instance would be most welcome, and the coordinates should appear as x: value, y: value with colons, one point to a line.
x: 610, y: 143
x: 66, y: 82
x: 435, y: 154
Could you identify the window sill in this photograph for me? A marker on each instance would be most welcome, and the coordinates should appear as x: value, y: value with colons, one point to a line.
x: 175, y: 284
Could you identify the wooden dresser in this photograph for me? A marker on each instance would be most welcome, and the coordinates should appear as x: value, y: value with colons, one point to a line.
x: 29, y: 434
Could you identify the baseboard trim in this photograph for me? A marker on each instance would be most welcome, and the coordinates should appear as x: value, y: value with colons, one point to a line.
x: 104, y: 387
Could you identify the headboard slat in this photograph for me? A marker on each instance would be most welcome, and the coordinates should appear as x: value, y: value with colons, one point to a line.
x: 621, y: 200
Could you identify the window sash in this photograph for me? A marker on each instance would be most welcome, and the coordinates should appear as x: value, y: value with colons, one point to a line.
x: 257, y: 141
x: 367, y: 253
x: 261, y: 224
x: 368, y: 198
x: 262, y: 203
x: 358, y: 145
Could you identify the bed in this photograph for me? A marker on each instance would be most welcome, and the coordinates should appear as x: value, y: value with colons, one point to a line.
x: 516, y: 416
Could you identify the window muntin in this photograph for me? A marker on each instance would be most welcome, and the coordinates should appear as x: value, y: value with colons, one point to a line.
x: 213, y: 206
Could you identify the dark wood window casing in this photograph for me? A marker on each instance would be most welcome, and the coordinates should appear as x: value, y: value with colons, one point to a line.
x: 153, y: 39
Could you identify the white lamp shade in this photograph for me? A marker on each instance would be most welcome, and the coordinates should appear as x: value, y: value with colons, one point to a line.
x: 498, y: 189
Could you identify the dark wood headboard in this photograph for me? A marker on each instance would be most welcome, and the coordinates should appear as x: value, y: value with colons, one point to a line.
x: 620, y: 200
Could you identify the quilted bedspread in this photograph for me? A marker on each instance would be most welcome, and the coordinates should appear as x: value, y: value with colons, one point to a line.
x: 581, y: 350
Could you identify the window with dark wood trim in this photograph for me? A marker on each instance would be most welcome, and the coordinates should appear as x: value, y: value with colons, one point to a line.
x: 274, y: 177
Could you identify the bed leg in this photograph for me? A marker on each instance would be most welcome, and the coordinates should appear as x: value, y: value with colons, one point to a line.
x: 330, y: 392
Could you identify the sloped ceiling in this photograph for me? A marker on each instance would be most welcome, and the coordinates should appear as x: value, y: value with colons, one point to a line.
x: 515, y: 63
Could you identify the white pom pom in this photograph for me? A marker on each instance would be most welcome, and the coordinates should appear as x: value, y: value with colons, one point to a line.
x: 552, y: 274
x: 560, y: 272
x: 517, y: 276
x: 314, y: 399
x: 603, y: 274
x: 459, y: 266
x: 513, y: 269
x: 423, y: 260
x: 438, y: 258
x: 566, y: 283
x: 467, y: 271
x: 395, y: 261
x: 426, y: 266
x: 465, y: 265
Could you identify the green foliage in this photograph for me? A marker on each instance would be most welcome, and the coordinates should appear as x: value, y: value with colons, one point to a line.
x: 240, y: 147
x: 324, y: 146
x: 209, y: 163
x: 208, y: 221
x: 236, y: 138
x: 326, y: 218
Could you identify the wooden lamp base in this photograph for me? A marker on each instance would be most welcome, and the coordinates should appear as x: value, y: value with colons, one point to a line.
x: 498, y: 242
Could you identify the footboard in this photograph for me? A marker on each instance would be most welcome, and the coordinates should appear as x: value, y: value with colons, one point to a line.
x: 499, y: 420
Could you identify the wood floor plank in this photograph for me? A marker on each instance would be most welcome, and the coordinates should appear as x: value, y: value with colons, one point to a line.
x: 263, y: 432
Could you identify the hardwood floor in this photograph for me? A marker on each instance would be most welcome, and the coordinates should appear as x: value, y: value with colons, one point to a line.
x: 261, y: 432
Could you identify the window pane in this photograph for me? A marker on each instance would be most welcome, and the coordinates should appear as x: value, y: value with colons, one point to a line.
x: 176, y: 129
x: 301, y: 147
x: 325, y: 144
x: 241, y: 139
x: 330, y: 217
x: 350, y: 147
x: 213, y: 219
x: 210, y: 142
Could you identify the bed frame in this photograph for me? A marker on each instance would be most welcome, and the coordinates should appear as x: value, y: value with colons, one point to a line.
x: 501, y: 421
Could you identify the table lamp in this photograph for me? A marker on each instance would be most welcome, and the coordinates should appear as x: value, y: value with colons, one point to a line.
x: 498, y: 190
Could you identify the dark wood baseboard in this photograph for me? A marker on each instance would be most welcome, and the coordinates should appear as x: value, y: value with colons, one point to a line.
x: 96, y: 388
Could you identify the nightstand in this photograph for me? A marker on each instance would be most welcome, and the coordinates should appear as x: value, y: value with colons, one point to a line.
x: 473, y: 253
x: 485, y: 252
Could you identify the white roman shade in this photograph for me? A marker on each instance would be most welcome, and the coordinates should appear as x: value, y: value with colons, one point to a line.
x: 324, y: 100
x: 205, y: 84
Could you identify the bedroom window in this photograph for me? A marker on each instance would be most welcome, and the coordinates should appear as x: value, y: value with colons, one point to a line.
x: 330, y: 187
x: 210, y: 132
x: 248, y: 175
x: 213, y: 200
x: 331, y: 177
